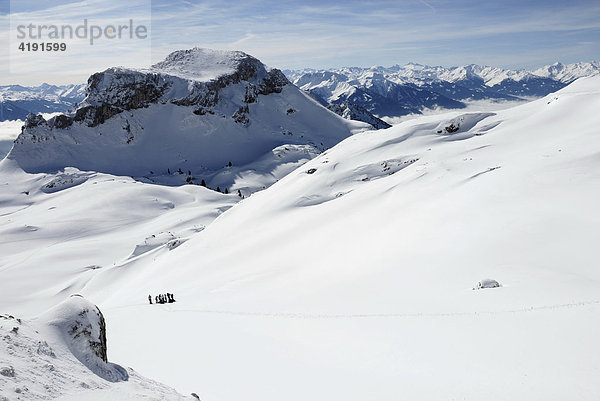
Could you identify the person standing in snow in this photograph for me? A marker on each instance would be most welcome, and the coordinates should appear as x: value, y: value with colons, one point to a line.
x: 150, y: 299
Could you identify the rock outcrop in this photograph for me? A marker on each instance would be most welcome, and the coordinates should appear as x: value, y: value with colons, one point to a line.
x: 83, y: 328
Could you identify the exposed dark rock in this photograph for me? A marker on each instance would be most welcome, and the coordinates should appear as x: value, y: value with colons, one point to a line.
x: 126, y: 89
x: 33, y: 120
x: 95, y: 115
x: 241, y: 115
x: 62, y: 121
x: 83, y: 327
x: 273, y: 83
x: 202, y: 111
x: 452, y: 128
x: 251, y: 94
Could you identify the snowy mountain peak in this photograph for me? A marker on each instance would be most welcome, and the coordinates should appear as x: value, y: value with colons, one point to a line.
x: 196, y: 111
x: 569, y: 72
x: 202, y: 64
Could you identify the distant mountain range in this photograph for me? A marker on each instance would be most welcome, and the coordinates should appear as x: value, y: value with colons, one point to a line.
x: 17, y: 101
x: 364, y: 94
x: 400, y: 90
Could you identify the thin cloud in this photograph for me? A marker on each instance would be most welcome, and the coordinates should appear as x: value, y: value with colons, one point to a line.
x: 287, y: 35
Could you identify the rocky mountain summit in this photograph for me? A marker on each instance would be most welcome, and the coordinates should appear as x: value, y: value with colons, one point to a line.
x: 197, y: 111
x: 185, y: 78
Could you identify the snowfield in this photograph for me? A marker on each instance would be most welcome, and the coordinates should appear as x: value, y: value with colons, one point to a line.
x: 352, y: 277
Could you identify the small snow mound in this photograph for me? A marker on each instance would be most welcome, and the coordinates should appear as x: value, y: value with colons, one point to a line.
x: 82, y: 327
x: 487, y: 283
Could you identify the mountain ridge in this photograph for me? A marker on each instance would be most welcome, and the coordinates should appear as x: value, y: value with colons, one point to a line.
x: 413, y: 88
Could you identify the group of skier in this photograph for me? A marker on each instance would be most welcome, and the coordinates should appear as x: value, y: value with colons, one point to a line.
x: 162, y: 298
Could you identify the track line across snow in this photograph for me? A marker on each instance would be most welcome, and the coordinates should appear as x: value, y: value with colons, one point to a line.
x: 301, y: 315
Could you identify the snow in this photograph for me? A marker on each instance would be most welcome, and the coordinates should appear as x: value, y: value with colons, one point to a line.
x: 44, y: 92
x: 41, y: 360
x: 487, y: 283
x: 69, y: 222
x: 419, y: 74
x: 354, y: 281
x: 199, y: 64
x: 569, y: 72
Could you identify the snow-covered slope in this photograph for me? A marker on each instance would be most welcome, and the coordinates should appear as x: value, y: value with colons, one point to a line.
x: 352, y: 277
x: 447, y: 177
x: 355, y: 272
x: 62, y: 355
x: 196, y: 111
x: 88, y: 221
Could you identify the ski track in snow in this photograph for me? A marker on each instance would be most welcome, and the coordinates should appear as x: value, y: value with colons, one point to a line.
x: 301, y: 315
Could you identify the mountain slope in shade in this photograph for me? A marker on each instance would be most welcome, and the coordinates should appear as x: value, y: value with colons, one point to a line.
x: 196, y: 111
x: 10, y: 111
x: 17, y: 101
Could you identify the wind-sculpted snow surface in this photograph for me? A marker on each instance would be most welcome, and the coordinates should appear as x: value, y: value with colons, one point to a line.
x: 361, y: 265
x: 196, y: 111
x: 352, y: 276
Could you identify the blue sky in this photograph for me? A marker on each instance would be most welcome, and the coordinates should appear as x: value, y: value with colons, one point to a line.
x: 320, y: 34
